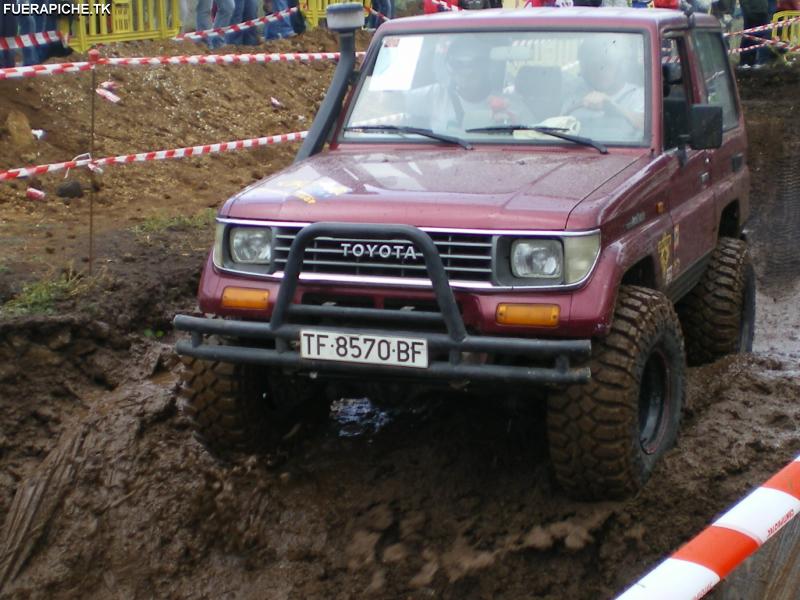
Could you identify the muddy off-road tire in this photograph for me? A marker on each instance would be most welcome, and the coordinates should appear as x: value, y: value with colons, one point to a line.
x: 606, y: 436
x: 241, y: 408
x: 718, y: 315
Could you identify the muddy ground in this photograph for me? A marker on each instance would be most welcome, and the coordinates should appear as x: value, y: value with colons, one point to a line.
x: 104, y: 493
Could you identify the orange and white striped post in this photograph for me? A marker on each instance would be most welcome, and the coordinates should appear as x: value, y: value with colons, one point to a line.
x: 692, y: 571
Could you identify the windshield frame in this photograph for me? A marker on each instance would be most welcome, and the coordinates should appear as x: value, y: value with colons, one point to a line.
x: 371, y: 58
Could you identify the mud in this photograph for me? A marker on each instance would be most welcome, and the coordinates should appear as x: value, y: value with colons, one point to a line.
x: 105, y: 493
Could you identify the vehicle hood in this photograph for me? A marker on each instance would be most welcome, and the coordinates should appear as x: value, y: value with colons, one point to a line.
x: 489, y: 189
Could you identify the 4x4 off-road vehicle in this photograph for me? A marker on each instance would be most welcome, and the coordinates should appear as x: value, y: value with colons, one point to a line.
x: 509, y: 201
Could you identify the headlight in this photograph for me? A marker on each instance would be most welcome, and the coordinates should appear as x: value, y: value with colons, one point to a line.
x: 537, y: 259
x: 251, y: 245
x: 581, y: 252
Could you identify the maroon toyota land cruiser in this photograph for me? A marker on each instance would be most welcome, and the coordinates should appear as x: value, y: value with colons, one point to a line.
x: 509, y: 201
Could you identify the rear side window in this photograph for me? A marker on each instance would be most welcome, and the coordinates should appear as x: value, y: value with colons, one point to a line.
x: 717, y: 75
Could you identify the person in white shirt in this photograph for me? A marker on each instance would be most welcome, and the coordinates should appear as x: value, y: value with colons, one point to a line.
x: 607, y: 105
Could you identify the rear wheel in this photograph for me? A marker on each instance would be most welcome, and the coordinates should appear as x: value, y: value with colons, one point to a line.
x: 246, y: 408
x: 718, y: 315
x: 606, y: 436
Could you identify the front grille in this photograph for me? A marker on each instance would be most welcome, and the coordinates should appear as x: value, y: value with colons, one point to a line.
x: 466, y: 256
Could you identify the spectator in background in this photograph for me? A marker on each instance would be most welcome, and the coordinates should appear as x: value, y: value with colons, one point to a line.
x: 382, y: 6
x: 27, y: 24
x: 8, y: 28
x: 221, y: 19
x: 244, y: 10
x: 281, y: 28
x: 755, y: 13
x: 48, y: 23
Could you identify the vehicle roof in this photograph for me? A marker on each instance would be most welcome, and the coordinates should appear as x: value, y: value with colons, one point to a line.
x: 624, y: 18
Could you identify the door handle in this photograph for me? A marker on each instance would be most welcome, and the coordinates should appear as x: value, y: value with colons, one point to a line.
x: 704, y: 177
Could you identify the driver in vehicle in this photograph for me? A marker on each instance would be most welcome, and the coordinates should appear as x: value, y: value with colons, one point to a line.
x: 468, y: 97
x: 605, y: 102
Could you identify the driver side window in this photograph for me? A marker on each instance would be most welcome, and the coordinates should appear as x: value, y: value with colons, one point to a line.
x: 675, y: 92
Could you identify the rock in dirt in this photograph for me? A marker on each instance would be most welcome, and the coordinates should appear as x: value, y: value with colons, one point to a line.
x: 379, y: 518
x: 19, y: 131
x: 71, y: 188
x: 395, y: 553
x: 361, y: 551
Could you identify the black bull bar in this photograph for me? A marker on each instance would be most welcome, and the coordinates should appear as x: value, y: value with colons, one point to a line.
x: 455, y: 342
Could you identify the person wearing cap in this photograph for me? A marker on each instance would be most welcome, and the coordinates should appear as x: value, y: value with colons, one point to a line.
x: 469, y: 94
x: 607, y: 105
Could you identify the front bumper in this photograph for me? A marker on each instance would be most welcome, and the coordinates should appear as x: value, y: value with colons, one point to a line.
x: 276, y: 343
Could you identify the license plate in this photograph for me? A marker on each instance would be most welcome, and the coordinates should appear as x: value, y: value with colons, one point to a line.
x: 365, y: 349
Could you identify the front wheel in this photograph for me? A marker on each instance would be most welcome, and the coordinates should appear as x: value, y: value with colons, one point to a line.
x: 246, y: 408
x: 606, y: 436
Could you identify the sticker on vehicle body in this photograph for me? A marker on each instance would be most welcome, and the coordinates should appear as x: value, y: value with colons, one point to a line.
x: 665, y: 254
x: 311, y: 191
x: 635, y: 220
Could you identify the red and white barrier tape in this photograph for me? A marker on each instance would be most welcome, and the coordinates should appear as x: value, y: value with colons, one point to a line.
x: 767, y: 27
x: 206, y: 33
x: 380, y: 15
x: 17, y: 42
x: 198, y: 59
x: 155, y: 155
x: 40, y: 70
x: 692, y: 571
x: 766, y: 44
x: 769, y: 42
x: 222, y: 59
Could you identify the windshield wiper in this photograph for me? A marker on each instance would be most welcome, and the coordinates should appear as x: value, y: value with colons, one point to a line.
x: 413, y: 130
x: 554, y: 131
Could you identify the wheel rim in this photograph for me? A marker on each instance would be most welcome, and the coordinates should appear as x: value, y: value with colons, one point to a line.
x: 654, y: 393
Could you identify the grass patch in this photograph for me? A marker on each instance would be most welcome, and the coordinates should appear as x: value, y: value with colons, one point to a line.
x: 41, y: 296
x: 160, y: 222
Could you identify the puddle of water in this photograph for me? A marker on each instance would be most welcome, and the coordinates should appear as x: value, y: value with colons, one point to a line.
x: 358, y: 416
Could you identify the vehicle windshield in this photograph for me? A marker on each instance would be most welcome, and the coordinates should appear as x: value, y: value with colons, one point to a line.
x: 475, y: 87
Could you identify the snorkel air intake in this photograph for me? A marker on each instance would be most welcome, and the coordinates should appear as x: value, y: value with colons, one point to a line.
x: 344, y: 19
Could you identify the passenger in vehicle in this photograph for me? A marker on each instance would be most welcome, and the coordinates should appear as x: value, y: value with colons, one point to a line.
x: 607, y: 105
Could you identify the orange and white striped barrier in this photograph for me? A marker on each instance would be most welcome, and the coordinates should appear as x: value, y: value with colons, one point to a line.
x: 219, y: 31
x: 26, y: 40
x: 692, y: 571
x: 154, y: 155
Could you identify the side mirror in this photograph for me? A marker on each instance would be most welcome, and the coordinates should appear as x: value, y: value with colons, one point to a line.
x: 672, y: 73
x: 705, y: 126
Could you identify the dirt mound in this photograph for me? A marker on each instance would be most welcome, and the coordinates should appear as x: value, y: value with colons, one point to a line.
x: 161, y: 108
x: 104, y: 492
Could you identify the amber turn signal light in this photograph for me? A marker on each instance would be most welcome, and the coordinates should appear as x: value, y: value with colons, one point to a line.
x: 540, y: 315
x: 235, y: 297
